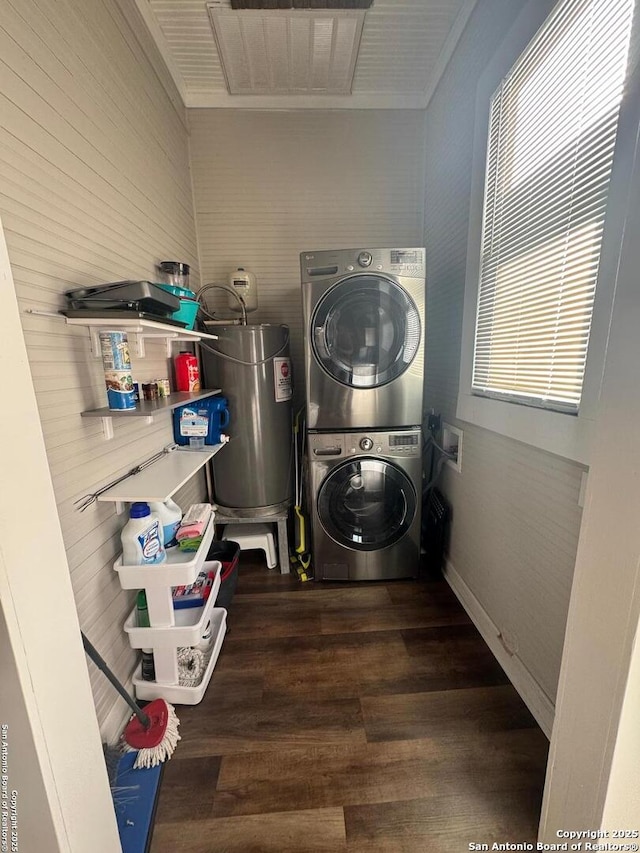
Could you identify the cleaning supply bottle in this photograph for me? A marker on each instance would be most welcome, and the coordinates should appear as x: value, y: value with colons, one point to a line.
x: 148, y: 665
x: 142, y: 618
x: 142, y: 537
x: 142, y: 611
x: 187, y: 372
x: 170, y: 516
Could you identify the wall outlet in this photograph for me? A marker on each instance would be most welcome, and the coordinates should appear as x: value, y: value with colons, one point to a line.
x: 452, y: 443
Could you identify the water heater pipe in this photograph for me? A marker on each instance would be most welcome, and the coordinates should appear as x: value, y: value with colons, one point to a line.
x: 211, y: 286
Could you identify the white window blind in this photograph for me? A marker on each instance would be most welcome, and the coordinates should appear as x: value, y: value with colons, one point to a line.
x: 552, y: 133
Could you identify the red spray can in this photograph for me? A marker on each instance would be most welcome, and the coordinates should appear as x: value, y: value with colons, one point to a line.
x: 187, y: 372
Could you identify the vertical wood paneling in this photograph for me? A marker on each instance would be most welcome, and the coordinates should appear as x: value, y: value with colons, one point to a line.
x: 515, y: 509
x: 269, y: 185
x: 95, y: 186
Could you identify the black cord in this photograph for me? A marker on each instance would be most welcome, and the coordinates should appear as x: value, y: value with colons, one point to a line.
x: 433, y: 476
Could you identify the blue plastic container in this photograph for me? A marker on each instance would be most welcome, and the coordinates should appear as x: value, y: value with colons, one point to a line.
x: 204, y: 419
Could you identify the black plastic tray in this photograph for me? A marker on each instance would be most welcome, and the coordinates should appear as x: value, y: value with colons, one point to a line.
x: 141, y: 295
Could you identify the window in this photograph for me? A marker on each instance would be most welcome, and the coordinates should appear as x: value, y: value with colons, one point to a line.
x: 547, y: 167
x: 552, y: 132
x: 553, y: 122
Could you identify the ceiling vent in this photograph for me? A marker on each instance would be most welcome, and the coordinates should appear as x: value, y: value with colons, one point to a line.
x: 287, y: 51
x: 301, y: 4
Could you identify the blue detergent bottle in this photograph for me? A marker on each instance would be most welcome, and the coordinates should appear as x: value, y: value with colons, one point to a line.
x: 204, y: 419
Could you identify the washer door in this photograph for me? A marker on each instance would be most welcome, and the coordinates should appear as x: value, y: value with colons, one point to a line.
x: 366, y: 504
x: 365, y: 331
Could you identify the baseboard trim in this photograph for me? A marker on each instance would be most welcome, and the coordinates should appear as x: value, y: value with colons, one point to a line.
x: 530, y: 691
x: 116, y: 719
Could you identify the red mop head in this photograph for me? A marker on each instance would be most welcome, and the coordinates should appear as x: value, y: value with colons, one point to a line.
x: 157, y: 741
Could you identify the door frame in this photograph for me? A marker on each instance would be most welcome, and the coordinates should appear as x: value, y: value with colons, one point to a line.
x: 47, y: 667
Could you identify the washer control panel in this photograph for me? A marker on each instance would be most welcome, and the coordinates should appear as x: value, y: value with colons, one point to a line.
x: 405, y: 443
x: 399, y: 444
x: 403, y: 440
x: 330, y: 264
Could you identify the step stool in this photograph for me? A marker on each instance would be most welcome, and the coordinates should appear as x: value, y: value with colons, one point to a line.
x: 250, y: 523
x: 250, y: 536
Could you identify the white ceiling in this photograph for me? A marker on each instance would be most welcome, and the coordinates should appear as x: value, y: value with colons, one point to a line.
x: 404, y: 47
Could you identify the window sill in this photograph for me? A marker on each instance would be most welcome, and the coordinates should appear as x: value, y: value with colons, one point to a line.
x: 562, y: 434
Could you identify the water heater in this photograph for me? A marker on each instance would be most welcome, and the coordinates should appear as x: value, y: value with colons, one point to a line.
x: 253, y: 473
x: 243, y: 283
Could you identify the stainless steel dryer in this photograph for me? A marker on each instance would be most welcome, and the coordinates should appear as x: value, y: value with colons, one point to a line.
x: 364, y: 319
x: 366, y: 504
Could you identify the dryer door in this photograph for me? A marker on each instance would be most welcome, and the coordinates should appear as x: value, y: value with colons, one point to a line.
x: 365, y: 331
x: 366, y: 504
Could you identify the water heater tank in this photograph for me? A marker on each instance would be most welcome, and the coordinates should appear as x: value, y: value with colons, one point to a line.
x: 243, y: 283
x: 252, y: 366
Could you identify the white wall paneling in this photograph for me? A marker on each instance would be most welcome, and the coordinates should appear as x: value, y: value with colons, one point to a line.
x: 269, y: 185
x: 516, y: 517
x: 95, y: 186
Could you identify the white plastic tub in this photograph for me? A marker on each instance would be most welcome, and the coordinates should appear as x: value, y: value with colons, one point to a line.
x: 181, y: 568
x: 189, y: 626
x: 174, y: 692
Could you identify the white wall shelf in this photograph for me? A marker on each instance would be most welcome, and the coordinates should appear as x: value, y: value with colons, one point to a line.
x: 162, y: 479
x: 147, y: 408
x: 150, y: 408
x: 138, y: 330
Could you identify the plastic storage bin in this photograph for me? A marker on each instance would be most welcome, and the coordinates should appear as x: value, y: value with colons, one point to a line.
x: 170, y: 690
x: 189, y: 622
x: 181, y: 568
x: 189, y: 305
x: 227, y: 553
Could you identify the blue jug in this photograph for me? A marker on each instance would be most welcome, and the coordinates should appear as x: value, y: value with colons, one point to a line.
x: 204, y: 419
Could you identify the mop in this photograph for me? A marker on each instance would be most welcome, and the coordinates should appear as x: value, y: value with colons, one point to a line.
x: 152, y: 732
x: 301, y: 555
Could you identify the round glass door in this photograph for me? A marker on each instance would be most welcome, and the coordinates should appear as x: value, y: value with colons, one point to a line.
x: 366, y: 504
x: 366, y: 331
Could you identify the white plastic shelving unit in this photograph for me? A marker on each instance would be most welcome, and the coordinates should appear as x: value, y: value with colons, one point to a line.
x: 173, y: 629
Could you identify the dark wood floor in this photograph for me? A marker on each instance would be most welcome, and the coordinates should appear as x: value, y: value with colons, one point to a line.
x: 361, y: 718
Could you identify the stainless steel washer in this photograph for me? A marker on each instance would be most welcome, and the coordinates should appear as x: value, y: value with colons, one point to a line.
x: 366, y: 504
x: 364, y: 320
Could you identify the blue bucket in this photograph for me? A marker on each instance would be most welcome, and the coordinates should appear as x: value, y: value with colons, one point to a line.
x: 189, y: 305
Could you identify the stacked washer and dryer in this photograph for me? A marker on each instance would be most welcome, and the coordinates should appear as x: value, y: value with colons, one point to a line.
x: 364, y: 320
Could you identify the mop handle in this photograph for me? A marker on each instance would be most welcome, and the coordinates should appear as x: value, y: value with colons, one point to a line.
x: 102, y: 666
